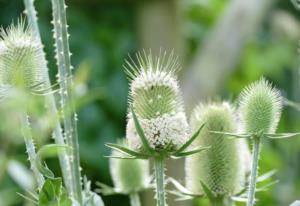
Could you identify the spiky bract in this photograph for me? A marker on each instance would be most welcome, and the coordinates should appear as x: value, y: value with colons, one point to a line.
x: 22, y: 63
x: 260, y: 107
x: 129, y: 175
x: 221, y: 167
x: 156, y: 99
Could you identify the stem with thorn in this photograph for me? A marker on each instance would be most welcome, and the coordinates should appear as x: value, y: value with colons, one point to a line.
x: 134, y: 199
x: 65, y: 76
x: 254, y: 169
x: 159, y: 164
x: 29, y: 143
x: 50, y: 100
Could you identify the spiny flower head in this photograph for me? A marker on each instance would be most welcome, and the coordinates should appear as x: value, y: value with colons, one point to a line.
x: 260, y: 106
x: 21, y: 60
x: 129, y: 175
x: 221, y: 167
x: 156, y: 100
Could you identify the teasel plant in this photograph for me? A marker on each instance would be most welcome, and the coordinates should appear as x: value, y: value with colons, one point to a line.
x: 260, y: 106
x: 130, y: 176
x: 157, y: 128
x: 220, y: 173
x: 21, y: 75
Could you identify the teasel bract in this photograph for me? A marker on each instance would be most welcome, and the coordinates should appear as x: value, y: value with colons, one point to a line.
x: 157, y: 127
x: 222, y: 169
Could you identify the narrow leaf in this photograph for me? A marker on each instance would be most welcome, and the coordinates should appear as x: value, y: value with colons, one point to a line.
x: 266, y: 176
x: 282, y: 135
x: 232, y: 134
x: 141, y: 133
x: 190, y: 141
x: 184, y: 191
x: 207, y: 191
x: 126, y: 150
x: 267, y: 186
x: 188, y: 153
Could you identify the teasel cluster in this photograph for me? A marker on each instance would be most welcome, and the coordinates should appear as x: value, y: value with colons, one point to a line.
x: 157, y: 127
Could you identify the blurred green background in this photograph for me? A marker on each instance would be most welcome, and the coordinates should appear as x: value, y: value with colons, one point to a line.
x: 223, y: 46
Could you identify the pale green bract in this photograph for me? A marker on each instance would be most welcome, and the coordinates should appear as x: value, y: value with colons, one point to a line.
x: 260, y: 107
x: 224, y: 166
x: 156, y: 100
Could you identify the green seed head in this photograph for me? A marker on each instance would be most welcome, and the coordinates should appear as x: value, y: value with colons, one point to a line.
x: 156, y: 99
x: 21, y: 60
x: 129, y: 175
x: 220, y: 167
x: 260, y: 107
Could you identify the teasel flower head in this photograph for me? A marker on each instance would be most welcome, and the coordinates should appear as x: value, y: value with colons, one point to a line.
x: 220, y: 168
x: 156, y: 99
x: 21, y: 60
x: 129, y: 175
x: 260, y: 106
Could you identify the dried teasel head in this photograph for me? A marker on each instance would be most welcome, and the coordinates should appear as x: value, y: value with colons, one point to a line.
x: 156, y: 99
x: 22, y: 64
x: 260, y: 106
x: 129, y: 175
x: 221, y: 168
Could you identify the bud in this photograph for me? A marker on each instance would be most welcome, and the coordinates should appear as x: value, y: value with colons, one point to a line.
x: 21, y: 59
x: 220, y: 168
x: 157, y: 102
x: 129, y: 175
x: 260, y: 107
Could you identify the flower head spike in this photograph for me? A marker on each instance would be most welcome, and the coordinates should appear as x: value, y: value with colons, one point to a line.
x: 260, y: 107
x: 221, y: 168
x: 129, y: 175
x: 21, y: 60
x: 156, y: 100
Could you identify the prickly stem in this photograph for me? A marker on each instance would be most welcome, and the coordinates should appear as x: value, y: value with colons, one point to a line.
x: 50, y: 100
x: 254, y: 169
x: 159, y: 165
x: 68, y: 112
x: 29, y: 143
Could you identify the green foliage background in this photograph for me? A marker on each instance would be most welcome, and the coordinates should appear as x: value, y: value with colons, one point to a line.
x: 103, y: 32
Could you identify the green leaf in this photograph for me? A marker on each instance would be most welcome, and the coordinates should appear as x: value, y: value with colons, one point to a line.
x: 282, y: 135
x: 53, y: 194
x: 207, y: 191
x: 141, y: 133
x: 267, y: 186
x: 190, y: 141
x: 46, y: 151
x: 232, y: 134
x: 127, y: 151
x: 188, y: 153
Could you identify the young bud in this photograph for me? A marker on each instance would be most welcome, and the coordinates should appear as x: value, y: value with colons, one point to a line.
x: 156, y: 100
x: 260, y: 107
x: 129, y: 175
x: 220, y: 168
x: 21, y: 59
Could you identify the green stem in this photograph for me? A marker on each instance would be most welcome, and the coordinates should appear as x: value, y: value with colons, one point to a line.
x: 50, y: 100
x: 66, y: 84
x: 159, y: 164
x: 29, y: 143
x: 253, y: 176
x: 134, y: 199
